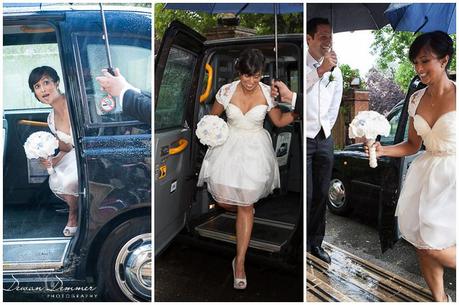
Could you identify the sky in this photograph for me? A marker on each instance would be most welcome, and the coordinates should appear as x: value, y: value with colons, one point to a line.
x: 353, y: 48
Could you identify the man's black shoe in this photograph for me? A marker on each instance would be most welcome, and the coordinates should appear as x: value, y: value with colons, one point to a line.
x: 319, y: 252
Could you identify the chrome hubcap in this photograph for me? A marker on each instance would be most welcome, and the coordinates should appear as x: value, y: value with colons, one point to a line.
x: 133, y: 268
x: 337, y: 193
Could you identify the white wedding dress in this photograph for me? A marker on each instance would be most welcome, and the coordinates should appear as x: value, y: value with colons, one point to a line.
x: 244, y: 168
x: 426, y: 208
x: 64, y: 180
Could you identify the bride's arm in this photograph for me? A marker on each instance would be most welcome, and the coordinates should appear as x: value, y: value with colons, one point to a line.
x: 406, y: 148
x: 279, y: 118
x: 217, y: 109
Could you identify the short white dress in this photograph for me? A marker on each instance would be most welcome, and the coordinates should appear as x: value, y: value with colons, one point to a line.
x: 426, y: 208
x: 64, y: 181
x: 244, y: 168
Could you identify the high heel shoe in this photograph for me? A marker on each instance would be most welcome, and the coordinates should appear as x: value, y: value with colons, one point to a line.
x: 238, y: 283
x: 69, y: 231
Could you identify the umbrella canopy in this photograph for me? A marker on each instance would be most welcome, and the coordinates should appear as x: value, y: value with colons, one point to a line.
x: 243, y: 8
x: 424, y: 17
x: 350, y: 16
x: 238, y: 8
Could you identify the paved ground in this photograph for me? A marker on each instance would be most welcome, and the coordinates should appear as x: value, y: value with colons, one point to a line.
x: 184, y: 274
x: 350, y: 234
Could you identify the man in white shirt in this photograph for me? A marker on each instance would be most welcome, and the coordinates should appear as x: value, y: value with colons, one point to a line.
x: 324, y: 89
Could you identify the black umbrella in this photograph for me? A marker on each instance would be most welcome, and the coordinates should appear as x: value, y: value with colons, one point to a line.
x: 350, y: 16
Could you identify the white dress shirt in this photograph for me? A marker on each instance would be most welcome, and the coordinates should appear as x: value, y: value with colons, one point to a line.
x: 323, y: 98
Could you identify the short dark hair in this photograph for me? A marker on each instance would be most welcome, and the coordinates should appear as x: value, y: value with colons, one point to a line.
x: 311, y: 26
x: 39, y: 72
x: 439, y: 42
x: 250, y: 61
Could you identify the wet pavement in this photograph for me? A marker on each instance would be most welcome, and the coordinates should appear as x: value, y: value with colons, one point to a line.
x: 184, y: 273
x: 361, y: 240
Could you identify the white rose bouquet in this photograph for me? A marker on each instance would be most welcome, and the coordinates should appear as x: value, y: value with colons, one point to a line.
x: 369, y: 124
x: 41, y: 144
x: 212, y: 130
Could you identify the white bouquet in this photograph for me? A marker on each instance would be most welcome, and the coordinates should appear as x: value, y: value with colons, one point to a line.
x: 369, y: 124
x: 212, y: 130
x: 41, y: 144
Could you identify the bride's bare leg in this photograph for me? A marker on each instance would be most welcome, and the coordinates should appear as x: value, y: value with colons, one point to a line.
x: 72, y: 202
x: 228, y: 207
x: 446, y: 257
x: 244, y: 224
x: 432, y: 271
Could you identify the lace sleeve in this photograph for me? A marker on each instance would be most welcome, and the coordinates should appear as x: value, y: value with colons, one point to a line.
x: 224, y: 94
x: 267, y: 93
x: 415, y: 98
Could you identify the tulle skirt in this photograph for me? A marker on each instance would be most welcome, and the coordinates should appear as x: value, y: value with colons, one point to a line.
x: 64, y: 181
x: 426, y: 208
x: 242, y: 170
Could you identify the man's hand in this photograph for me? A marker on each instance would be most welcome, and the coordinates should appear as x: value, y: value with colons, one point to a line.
x: 279, y: 88
x: 330, y: 61
x: 113, y: 85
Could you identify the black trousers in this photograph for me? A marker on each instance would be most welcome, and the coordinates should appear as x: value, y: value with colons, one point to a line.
x: 319, y: 170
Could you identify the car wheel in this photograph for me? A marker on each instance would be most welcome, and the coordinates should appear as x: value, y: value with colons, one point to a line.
x: 124, y: 264
x: 338, y: 196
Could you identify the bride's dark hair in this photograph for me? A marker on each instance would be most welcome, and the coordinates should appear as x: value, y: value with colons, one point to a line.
x: 439, y: 42
x: 250, y: 62
x: 39, y: 72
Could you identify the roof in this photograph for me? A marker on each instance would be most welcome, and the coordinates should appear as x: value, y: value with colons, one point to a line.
x: 10, y: 8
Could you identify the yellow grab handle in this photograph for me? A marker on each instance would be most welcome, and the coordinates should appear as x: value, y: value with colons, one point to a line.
x: 182, y: 144
x: 210, y: 73
x: 33, y: 123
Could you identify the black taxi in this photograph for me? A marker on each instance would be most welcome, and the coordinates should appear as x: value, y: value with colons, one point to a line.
x: 189, y: 70
x: 109, y: 258
x: 373, y: 192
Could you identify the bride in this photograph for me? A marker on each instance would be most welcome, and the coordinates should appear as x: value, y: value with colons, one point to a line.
x: 427, y: 204
x: 244, y: 169
x: 44, y: 83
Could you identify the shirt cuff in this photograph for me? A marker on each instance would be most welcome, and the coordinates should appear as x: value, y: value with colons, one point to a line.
x: 293, y: 103
x: 123, y: 91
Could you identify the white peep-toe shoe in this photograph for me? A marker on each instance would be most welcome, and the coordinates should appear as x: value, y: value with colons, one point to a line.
x: 69, y: 231
x: 238, y: 283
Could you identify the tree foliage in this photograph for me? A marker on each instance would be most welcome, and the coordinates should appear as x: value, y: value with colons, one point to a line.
x: 384, y: 92
x: 392, y: 50
x: 349, y: 74
x: 201, y: 22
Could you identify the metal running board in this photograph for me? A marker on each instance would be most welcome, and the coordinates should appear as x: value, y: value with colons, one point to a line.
x: 44, y: 254
x: 352, y: 279
x: 267, y: 235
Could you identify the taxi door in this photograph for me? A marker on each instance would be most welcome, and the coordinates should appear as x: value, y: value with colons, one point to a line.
x: 177, y: 70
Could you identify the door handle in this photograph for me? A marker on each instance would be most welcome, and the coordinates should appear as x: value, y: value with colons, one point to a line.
x: 182, y: 144
x: 206, y: 93
x: 33, y: 123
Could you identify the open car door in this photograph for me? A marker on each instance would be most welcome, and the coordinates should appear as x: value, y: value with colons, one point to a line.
x: 177, y: 69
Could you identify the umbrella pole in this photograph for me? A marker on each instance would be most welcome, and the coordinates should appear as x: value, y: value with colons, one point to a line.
x: 107, y: 45
x: 276, y: 75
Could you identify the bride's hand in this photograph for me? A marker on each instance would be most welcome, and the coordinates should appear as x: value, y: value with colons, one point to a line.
x: 378, y: 148
x: 45, y: 163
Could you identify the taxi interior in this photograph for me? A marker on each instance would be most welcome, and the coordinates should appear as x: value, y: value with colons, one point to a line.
x: 33, y: 217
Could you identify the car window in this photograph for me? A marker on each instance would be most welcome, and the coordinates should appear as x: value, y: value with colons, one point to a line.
x: 393, y: 121
x: 174, y: 89
x: 132, y: 55
x: 18, y: 61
